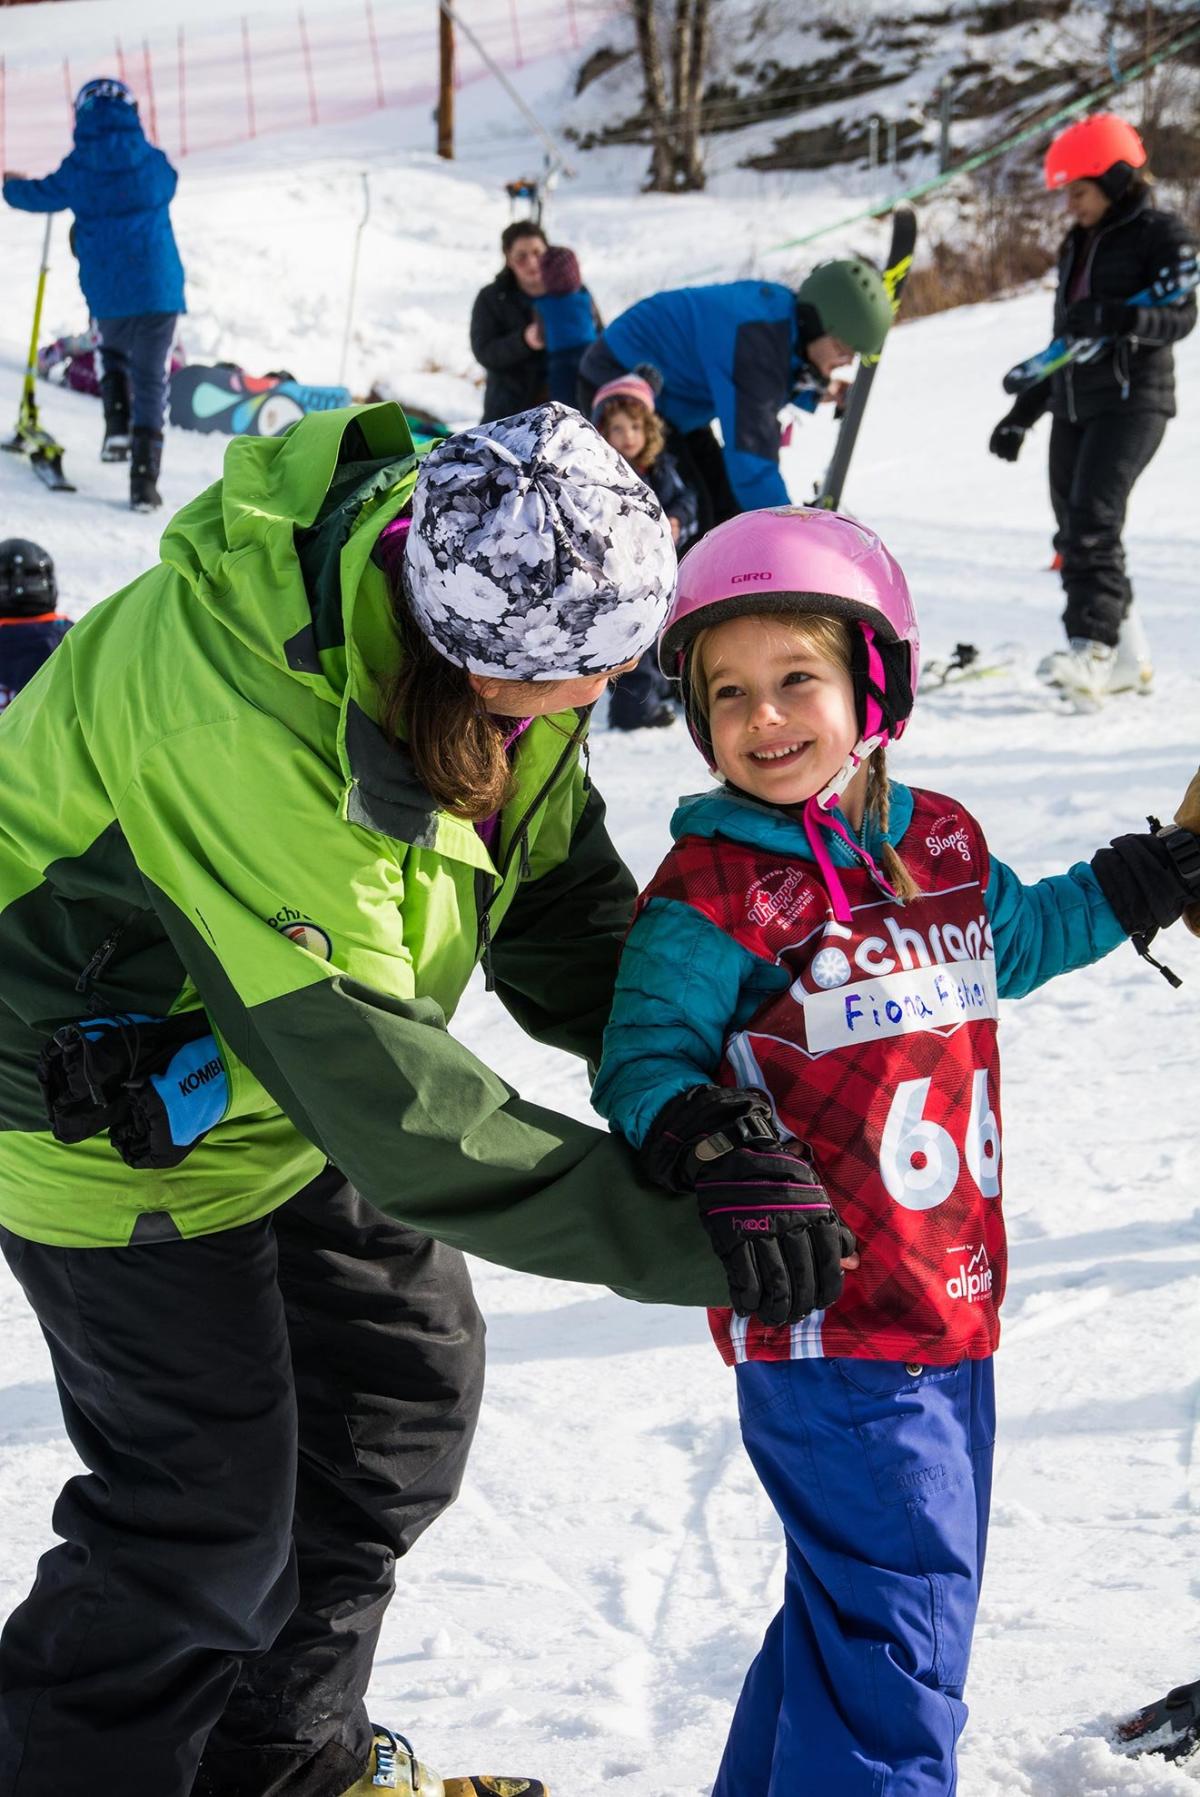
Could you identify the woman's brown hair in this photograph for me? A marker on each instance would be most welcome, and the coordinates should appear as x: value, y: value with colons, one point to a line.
x: 651, y: 423
x: 457, y: 748
x: 830, y: 639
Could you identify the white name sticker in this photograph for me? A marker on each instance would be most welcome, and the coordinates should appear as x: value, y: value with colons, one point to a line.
x: 900, y: 1004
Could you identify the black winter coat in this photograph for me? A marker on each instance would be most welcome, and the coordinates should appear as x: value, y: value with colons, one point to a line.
x: 516, y: 374
x: 677, y: 499
x: 1131, y: 246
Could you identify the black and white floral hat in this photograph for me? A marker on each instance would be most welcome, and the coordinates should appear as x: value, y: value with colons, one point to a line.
x: 536, y: 552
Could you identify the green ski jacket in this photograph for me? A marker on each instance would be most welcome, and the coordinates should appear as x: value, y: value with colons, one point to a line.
x: 199, y: 809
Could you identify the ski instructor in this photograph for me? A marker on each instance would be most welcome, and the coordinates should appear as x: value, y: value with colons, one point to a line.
x: 1110, y: 413
x: 306, y: 774
x: 738, y: 353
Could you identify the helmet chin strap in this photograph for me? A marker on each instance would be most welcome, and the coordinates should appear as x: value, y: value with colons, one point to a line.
x: 820, y: 811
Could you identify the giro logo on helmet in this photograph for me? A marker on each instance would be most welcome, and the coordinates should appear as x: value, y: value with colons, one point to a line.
x: 737, y: 580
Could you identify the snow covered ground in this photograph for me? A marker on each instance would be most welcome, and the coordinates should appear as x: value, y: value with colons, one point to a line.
x: 589, y: 1607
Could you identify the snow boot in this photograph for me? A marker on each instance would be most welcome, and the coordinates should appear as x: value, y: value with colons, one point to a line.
x: 393, y: 1766
x: 1133, y: 670
x: 1170, y: 1727
x: 144, y: 495
x: 114, y: 397
x: 1083, y: 670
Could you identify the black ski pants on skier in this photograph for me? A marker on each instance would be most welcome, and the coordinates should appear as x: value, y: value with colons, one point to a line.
x: 1092, y: 470
x: 269, y: 1416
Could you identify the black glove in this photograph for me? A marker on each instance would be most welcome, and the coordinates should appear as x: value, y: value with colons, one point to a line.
x: 766, y: 1212
x: 1151, y: 879
x: 1006, y: 440
x: 1099, y: 318
x: 156, y: 1084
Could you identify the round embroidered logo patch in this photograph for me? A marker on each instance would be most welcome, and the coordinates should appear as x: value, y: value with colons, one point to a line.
x: 310, y: 936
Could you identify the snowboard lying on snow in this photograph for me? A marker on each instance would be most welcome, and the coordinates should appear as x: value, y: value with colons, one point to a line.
x: 222, y: 397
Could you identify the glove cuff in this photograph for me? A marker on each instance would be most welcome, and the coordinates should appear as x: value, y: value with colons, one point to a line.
x: 700, y: 1126
x: 1150, y: 879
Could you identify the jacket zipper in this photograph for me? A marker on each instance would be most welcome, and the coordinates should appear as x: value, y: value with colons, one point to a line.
x: 487, y: 891
x: 1069, y: 370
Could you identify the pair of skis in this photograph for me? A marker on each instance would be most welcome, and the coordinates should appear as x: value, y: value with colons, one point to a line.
x: 31, y: 439
x: 1170, y: 288
x: 899, y: 261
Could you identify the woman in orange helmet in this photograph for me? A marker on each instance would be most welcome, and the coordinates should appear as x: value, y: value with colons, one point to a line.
x: 1109, y: 414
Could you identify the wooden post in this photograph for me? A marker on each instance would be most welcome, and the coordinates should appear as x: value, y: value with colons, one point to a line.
x: 445, y: 106
x: 121, y: 75
x: 373, y: 39
x: 246, y: 64
x: 313, y: 118
x: 516, y: 33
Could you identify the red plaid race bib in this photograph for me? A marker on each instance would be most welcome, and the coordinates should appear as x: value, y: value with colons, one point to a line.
x: 881, y: 1056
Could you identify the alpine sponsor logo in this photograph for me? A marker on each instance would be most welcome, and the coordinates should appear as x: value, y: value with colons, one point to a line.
x: 302, y: 931
x: 972, y: 1279
x: 780, y: 896
x: 942, y: 840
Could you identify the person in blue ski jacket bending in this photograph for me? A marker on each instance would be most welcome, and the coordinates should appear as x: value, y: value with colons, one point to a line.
x: 804, y: 1038
x: 120, y: 186
x: 738, y: 353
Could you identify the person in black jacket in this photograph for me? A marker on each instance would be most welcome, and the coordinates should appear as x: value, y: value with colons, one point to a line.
x: 1110, y: 413
x: 506, y: 333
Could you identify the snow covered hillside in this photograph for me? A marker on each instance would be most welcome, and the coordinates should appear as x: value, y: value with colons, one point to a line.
x: 588, y: 1608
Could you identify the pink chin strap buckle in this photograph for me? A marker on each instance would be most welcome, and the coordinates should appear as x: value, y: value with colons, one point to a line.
x: 819, y: 812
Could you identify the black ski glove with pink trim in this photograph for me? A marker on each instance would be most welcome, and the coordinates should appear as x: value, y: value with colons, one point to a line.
x: 766, y: 1212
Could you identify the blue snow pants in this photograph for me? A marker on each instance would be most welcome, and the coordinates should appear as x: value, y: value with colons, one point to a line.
x: 881, y: 1475
x: 140, y: 346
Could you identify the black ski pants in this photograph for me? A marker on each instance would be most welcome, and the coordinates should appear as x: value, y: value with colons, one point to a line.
x: 269, y: 1416
x: 1092, y: 470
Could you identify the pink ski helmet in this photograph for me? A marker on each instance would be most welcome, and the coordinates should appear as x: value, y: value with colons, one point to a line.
x: 799, y: 559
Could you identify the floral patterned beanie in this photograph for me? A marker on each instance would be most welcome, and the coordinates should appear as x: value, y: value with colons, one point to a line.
x: 535, y: 552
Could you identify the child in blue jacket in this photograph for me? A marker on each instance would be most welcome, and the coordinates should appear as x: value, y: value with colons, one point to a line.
x: 569, y: 320
x: 804, y: 1035
x: 120, y: 187
x: 30, y: 627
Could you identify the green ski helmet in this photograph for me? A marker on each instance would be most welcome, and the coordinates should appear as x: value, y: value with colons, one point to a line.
x: 851, y: 301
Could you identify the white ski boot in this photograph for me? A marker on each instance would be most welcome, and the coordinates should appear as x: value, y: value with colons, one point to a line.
x: 1133, y: 670
x: 1082, y: 671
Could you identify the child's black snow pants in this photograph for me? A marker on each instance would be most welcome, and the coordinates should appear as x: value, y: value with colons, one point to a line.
x: 1092, y: 470
x: 269, y: 1416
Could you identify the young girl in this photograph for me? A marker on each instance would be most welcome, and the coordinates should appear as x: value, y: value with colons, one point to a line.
x: 623, y: 412
x: 804, y: 1034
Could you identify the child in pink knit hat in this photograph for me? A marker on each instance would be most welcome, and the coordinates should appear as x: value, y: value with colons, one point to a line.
x: 623, y: 411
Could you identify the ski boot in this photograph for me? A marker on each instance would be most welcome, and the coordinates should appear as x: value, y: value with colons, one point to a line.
x: 114, y: 397
x: 144, y: 495
x: 1170, y: 1727
x: 1133, y: 670
x: 393, y: 1766
x: 1082, y: 671
x: 483, y: 1785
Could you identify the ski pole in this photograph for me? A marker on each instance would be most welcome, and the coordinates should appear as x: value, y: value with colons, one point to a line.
x: 362, y: 225
x: 27, y: 416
